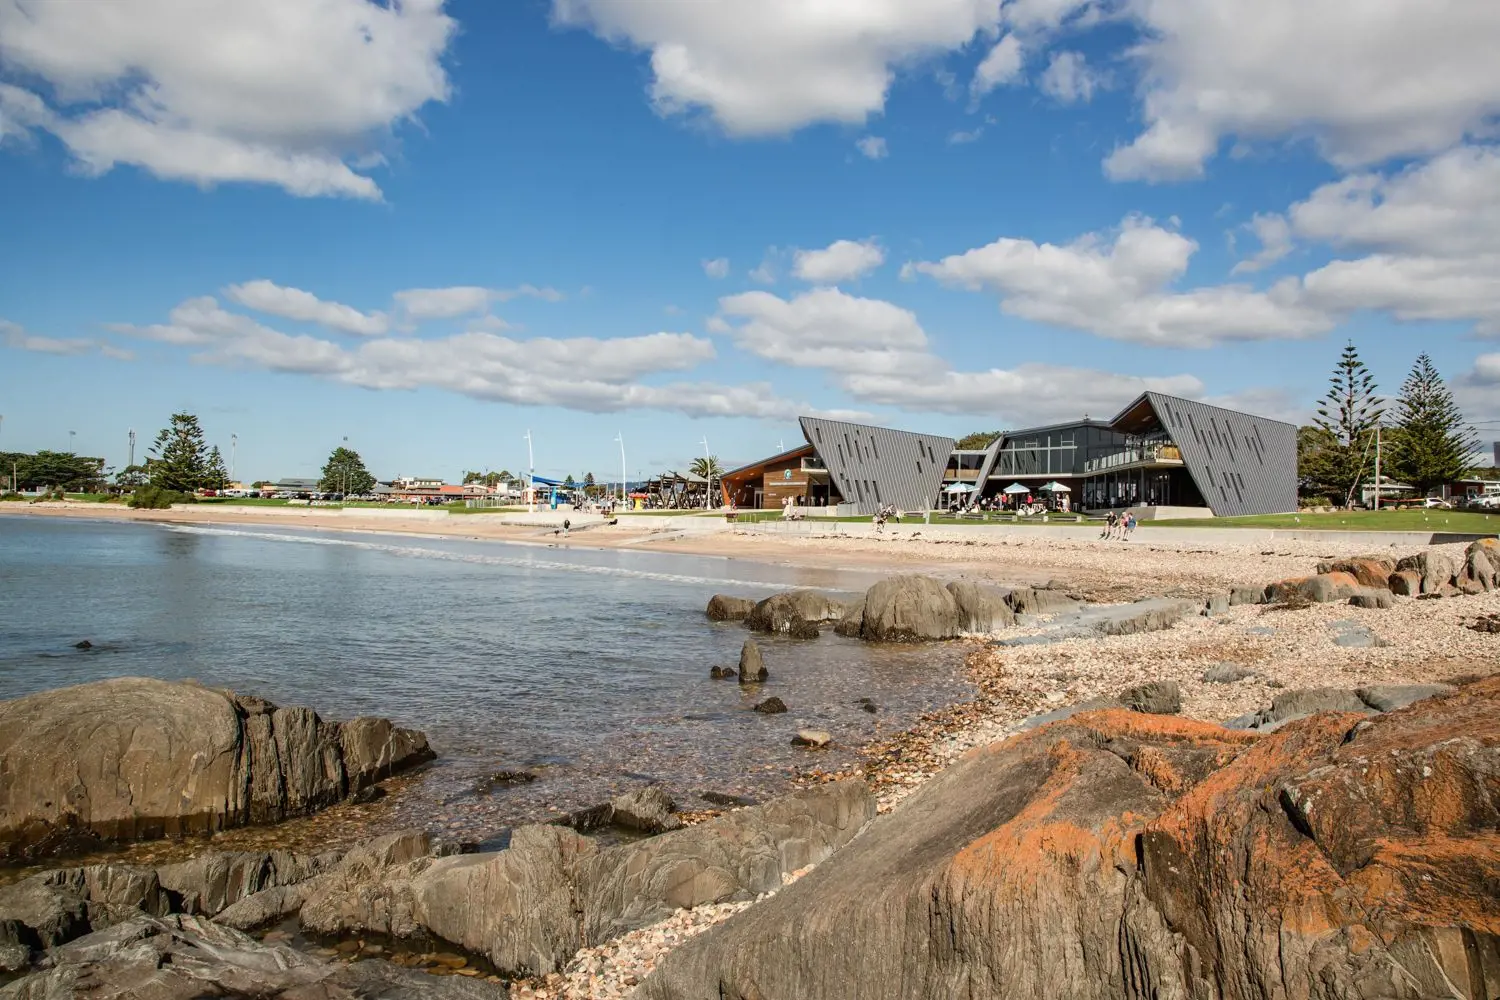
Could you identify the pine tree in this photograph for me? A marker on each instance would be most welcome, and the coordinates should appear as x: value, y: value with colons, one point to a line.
x: 216, y: 477
x: 1349, y: 413
x: 1434, y: 443
x: 180, y: 460
x: 345, y: 472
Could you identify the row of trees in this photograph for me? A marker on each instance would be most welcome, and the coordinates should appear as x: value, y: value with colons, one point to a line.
x: 1424, y: 440
x: 60, y: 470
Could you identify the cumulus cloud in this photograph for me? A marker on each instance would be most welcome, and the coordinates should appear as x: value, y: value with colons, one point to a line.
x: 282, y: 92
x: 1434, y: 229
x: 293, y: 303
x: 829, y: 329
x: 872, y: 147
x: 776, y: 65
x: 419, y: 304
x: 1121, y: 288
x: 1001, y: 66
x: 842, y: 260
x: 1068, y: 79
x: 583, y: 373
x: 1486, y: 370
x: 14, y: 336
x: 878, y: 353
x: 716, y: 268
x: 1275, y: 236
x: 1028, y: 394
x: 1367, y: 80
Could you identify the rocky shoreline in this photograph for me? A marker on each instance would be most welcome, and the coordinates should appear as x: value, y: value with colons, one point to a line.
x: 1287, y: 674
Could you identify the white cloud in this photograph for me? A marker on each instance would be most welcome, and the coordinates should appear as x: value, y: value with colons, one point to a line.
x: 582, y: 373
x: 1028, y: 395
x: 293, y: 303
x: 872, y: 147
x: 1068, y: 79
x: 1486, y: 370
x: 15, y: 337
x: 842, y: 260
x: 419, y: 304
x: 1367, y: 80
x: 1001, y: 66
x: 961, y: 137
x: 283, y: 92
x: 1275, y: 236
x: 829, y: 329
x: 765, y: 273
x: 716, y: 268
x: 1435, y: 232
x: 1120, y: 289
x: 776, y: 65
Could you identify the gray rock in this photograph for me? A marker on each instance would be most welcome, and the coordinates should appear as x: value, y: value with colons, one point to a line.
x: 1216, y: 604
x: 647, y: 810
x: 1406, y: 583
x: 370, y: 889
x: 1153, y: 698
x: 771, y: 706
x: 1390, y: 697
x: 981, y: 608
x: 1479, y: 573
x: 722, y: 608
x: 752, y: 665
x: 209, y: 884
x: 1437, y: 565
x: 1353, y: 635
x: 1066, y: 712
x: 792, y: 611
x: 853, y: 620
x: 1373, y: 600
x: 909, y: 609
x: 814, y: 738
x: 188, y: 958
x: 1298, y: 704
x: 134, y: 758
x: 718, y: 673
x: 1035, y: 601
x: 1227, y: 673
x: 1151, y: 615
x: 1246, y: 595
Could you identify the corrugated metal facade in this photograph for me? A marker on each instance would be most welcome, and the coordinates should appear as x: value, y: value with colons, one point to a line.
x: 1242, y: 464
x: 871, y: 466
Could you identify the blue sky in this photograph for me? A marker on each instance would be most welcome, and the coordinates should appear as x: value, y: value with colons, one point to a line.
x: 430, y: 227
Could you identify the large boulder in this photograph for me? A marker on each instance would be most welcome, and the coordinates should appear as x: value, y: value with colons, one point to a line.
x: 909, y: 609
x: 135, y: 758
x: 530, y: 907
x: 211, y: 883
x: 188, y: 958
x: 722, y: 608
x: 783, y: 612
x: 852, y: 621
x: 1290, y: 705
x: 1481, y: 570
x: 980, y: 608
x: 1117, y: 855
x: 1324, y: 588
x: 1406, y: 583
x: 1369, y: 571
x: 1437, y: 565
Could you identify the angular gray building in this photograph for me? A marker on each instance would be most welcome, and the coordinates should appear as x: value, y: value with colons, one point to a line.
x: 869, y: 467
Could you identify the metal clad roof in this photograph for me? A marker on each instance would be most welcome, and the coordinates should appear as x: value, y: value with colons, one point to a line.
x: 1242, y: 464
x: 875, y: 465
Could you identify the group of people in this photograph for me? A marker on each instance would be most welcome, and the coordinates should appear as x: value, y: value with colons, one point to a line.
x: 1120, y: 526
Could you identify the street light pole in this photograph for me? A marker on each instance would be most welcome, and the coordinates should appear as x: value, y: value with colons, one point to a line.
x: 234, y: 442
x: 708, y: 473
x: 71, y: 436
x: 620, y: 437
x: 530, y: 474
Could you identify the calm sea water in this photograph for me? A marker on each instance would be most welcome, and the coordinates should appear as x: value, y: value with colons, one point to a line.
x: 588, y: 667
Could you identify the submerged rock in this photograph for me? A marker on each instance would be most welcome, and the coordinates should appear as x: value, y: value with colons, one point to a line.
x: 136, y: 759
x: 752, y: 665
x: 771, y: 706
x: 1119, y: 855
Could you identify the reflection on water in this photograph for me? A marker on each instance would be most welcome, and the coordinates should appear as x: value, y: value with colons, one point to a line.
x: 589, y: 668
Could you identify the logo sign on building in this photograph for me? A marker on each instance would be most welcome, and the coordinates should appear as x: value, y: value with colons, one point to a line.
x: 787, y: 473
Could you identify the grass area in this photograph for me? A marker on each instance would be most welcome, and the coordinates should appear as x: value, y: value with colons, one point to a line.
x: 95, y: 497
x: 1465, y: 521
x: 244, y: 501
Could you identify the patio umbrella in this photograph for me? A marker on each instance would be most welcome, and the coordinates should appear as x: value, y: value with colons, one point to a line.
x: 1017, y: 488
x: 958, y: 488
x: 1055, y: 487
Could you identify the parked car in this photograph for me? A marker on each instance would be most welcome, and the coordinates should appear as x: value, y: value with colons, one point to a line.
x: 1436, y: 503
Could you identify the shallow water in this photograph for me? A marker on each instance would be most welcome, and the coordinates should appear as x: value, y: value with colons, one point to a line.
x: 588, y: 668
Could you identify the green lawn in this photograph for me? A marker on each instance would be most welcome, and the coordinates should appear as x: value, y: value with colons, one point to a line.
x: 1467, y: 522
x: 244, y: 501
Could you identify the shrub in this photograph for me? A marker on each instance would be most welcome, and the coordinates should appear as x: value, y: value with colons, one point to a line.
x: 156, y: 498
x: 11, y: 495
